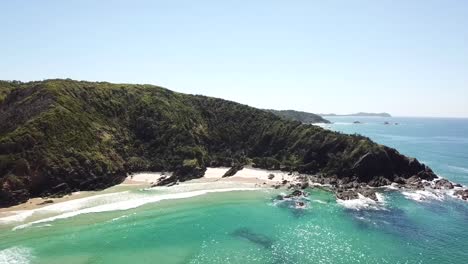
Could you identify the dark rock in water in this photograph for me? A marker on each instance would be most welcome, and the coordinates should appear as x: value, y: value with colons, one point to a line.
x: 300, y: 205
x: 399, y: 180
x: 379, y: 181
x: 299, y: 193
x: 296, y: 193
x: 357, y: 122
x: 253, y: 237
x: 46, y: 202
x: 280, y: 197
x: 443, y: 184
x: 233, y: 170
x: 369, y: 193
x: 462, y: 194
x: 284, y: 182
x: 414, y: 182
x: 354, y: 193
x: 304, y: 185
x: 271, y: 176
x: 294, y: 204
x: 386, y: 123
x: 347, y: 195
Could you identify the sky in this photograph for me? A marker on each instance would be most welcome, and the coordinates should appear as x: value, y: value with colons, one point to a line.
x: 408, y: 58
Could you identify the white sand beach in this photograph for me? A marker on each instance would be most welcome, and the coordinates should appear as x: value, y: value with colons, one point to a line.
x: 246, y: 177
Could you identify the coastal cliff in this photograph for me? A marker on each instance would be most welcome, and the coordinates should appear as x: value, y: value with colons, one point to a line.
x: 59, y: 136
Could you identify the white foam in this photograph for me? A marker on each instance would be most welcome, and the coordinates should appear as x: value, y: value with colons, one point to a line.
x: 121, y: 217
x: 17, y: 216
x: 319, y: 201
x: 72, y: 205
x: 380, y: 197
x: 392, y: 186
x: 423, y: 195
x: 130, y: 203
x: 16, y: 255
x: 363, y: 203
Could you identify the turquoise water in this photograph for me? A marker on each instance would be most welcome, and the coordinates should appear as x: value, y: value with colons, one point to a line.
x: 186, y: 225
x: 441, y: 143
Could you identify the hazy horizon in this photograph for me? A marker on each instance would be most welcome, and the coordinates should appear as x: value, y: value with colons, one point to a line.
x: 403, y: 58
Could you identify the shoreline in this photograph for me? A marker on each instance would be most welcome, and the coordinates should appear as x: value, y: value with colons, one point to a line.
x: 254, y: 178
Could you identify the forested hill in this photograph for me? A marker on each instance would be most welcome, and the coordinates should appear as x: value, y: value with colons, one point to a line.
x: 303, y: 117
x: 58, y: 136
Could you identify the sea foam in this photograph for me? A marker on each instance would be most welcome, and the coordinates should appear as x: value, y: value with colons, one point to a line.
x: 16, y: 255
x: 423, y: 195
x: 130, y: 203
x: 22, y: 215
x: 363, y: 203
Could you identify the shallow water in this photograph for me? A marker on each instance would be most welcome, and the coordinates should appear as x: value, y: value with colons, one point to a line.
x: 242, y: 225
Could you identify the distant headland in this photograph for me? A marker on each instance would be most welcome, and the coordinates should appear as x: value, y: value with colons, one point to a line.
x: 361, y: 114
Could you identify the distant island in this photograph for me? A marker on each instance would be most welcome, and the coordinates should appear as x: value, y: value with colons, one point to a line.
x: 361, y: 114
x: 303, y: 117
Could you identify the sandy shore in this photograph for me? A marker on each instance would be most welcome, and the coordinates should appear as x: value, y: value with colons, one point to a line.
x: 39, y: 202
x: 145, y: 178
x: 138, y: 180
x: 249, y: 175
x: 256, y: 177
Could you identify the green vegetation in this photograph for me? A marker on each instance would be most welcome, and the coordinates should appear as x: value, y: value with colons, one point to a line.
x: 303, y: 117
x: 58, y: 136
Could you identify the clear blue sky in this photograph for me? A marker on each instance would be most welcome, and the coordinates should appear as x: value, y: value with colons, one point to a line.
x: 408, y: 58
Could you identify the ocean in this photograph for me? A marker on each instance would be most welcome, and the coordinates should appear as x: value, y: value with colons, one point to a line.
x: 198, y: 222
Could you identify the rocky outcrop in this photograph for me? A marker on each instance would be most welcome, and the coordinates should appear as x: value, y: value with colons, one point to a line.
x: 443, y: 184
x: 233, y: 170
x: 46, y: 202
x: 462, y: 194
x: 384, y: 167
x: 353, y: 193
x: 188, y: 171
